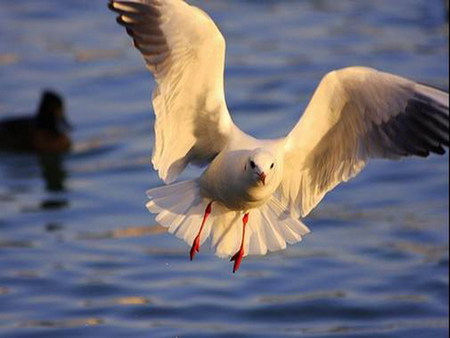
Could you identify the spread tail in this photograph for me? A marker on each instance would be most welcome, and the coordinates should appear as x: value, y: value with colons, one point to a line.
x: 180, y: 208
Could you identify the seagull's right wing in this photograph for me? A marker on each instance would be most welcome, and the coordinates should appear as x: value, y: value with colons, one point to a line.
x: 185, y: 51
x: 357, y: 114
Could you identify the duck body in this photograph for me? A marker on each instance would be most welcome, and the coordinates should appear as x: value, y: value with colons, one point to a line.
x: 46, y: 132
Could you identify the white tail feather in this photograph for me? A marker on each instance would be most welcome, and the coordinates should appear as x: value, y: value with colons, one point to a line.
x: 180, y: 208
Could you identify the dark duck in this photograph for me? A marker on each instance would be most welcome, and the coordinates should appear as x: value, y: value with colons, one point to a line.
x: 46, y: 132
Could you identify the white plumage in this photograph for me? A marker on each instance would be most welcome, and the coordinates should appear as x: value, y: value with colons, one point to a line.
x: 253, y: 192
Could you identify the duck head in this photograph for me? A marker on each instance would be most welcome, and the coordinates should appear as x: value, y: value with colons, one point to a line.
x: 51, y: 114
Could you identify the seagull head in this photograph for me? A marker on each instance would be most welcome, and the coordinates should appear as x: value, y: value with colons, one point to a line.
x: 260, y: 167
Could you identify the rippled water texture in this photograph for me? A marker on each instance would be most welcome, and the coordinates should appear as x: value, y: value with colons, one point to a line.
x: 81, y: 257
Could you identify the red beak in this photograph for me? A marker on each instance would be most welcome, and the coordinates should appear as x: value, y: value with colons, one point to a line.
x: 262, y: 177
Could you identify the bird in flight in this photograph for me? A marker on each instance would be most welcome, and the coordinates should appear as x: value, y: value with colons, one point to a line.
x: 253, y: 193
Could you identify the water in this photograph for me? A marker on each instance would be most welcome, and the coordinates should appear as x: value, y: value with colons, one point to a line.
x: 81, y: 257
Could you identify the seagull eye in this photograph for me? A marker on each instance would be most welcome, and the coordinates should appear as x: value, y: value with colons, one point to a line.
x: 272, y: 166
x: 253, y: 164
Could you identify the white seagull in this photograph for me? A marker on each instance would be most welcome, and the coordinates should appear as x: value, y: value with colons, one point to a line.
x: 253, y: 193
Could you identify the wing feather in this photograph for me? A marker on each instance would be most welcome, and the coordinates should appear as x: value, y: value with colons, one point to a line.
x: 357, y: 114
x: 185, y: 51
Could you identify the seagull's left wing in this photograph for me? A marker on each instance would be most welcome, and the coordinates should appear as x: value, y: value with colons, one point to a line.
x: 356, y: 114
x: 185, y: 51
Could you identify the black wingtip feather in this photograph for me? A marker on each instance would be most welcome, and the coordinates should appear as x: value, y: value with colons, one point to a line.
x: 440, y: 151
x: 420, y: 136
x: 120, y: 21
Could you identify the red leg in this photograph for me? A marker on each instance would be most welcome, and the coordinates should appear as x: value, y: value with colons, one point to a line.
x: 237, y: 258
x: 196, y: 245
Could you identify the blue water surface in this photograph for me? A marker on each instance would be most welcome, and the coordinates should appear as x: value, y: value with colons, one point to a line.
x: 81, y: 257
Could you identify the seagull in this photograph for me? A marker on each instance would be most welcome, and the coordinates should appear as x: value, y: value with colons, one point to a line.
x: 253, y: 194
